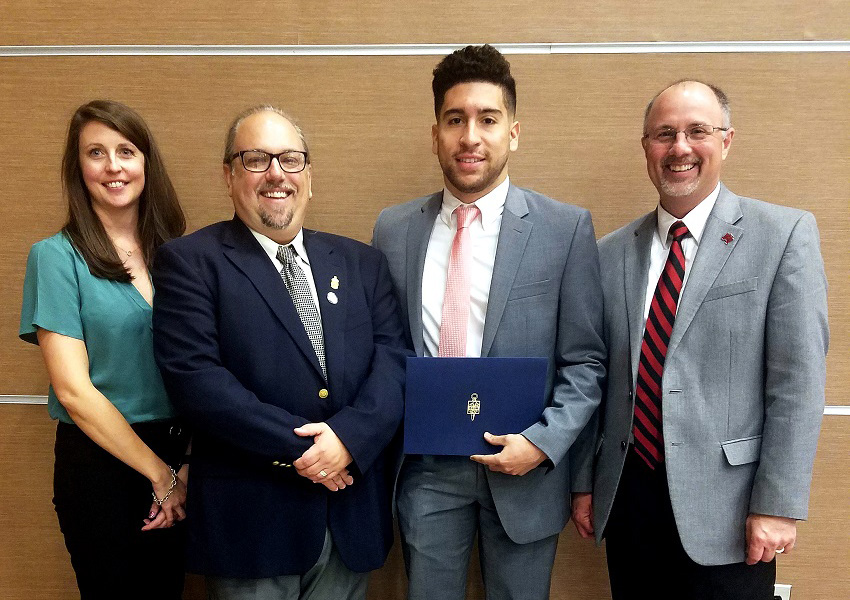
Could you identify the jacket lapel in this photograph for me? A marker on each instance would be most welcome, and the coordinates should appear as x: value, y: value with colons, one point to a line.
x: 246, y: 254
x: 513, y: 237
x: 418, y: 235
x: 711, y: 255
x: 636, y: 271
x: 327, y: 266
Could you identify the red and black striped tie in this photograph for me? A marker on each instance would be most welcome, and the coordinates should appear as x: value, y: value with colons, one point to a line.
x: 649, y: 438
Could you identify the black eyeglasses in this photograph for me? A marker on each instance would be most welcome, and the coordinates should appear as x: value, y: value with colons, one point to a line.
x: 694, y: 134
x: 257, y: 161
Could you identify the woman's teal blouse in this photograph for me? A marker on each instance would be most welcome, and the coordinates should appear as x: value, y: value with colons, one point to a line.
x: 112, y: 318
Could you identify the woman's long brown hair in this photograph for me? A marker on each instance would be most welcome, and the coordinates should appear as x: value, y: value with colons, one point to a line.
x: 160, y: 215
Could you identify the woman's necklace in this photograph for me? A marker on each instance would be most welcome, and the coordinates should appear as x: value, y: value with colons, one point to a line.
x: 129, y: 253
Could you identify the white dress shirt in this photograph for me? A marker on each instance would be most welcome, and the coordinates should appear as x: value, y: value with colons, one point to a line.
x: 271, y: 246
x: 483, y: 237
x: 695, y: 221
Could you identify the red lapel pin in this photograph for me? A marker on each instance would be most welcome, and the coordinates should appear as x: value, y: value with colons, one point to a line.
x: 727, y: 238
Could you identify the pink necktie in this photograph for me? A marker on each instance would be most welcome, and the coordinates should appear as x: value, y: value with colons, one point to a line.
x: 456, y: 301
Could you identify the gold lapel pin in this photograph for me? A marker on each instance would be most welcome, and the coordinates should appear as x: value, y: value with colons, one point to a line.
x: 334, y: 282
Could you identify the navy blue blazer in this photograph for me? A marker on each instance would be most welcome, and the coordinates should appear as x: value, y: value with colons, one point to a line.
x: 239, y: 367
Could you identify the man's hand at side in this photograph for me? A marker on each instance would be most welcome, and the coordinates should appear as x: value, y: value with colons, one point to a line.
x: 582, y: 509
x: 766, y: 534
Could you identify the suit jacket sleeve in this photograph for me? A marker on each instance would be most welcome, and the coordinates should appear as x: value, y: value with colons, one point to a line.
x: 368, y: 424
x: 187, y: 350
x: 579, y: 350
x: 796, y: 342
x: 582, y: 454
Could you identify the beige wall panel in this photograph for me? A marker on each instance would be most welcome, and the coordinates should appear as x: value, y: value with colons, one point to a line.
x: 819, y: 567
x: 33, y: 559
x: 76, y: 22
x: 67, y: 22
x: 34, y: 563
x: 383, y: 21
x: 368, y: 121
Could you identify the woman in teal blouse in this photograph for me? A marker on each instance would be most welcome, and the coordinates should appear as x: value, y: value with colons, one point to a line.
x: 87, y: 304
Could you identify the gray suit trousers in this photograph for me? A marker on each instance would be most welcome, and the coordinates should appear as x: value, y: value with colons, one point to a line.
x: 328, y: 579
x: 443, y: 502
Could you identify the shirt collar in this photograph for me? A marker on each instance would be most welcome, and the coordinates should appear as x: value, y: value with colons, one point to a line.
x: 695, y: 220
x: 271, y: 246
x: 491, y: 205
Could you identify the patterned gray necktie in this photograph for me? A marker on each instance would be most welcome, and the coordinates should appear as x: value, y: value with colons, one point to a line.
x: 299, y: 290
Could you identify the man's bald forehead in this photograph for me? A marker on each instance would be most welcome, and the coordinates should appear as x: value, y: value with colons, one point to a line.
x: 230, y: 137
x: 719, y: 95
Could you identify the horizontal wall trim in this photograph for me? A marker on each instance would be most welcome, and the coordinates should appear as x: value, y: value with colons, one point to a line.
x: 8, y: 399
x: 425, y: 49
x: 23, y: 399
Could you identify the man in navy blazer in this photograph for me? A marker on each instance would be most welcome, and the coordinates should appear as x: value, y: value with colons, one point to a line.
x: 292, y: 415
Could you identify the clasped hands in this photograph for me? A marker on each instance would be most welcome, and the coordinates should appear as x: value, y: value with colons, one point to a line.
x: 327, y: 460
x: 518, y: 456
x: 173, y: 509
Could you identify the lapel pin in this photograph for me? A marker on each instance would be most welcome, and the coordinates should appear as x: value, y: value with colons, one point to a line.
x: 332, y: 298
x: 727, y: 238
x: 334, y: 282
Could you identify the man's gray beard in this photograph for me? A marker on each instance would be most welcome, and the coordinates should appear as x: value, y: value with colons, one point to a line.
x: 676, y: 190
x: 276, y: 220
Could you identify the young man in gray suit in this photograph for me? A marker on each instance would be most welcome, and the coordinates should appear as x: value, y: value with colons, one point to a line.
x: 716, y: 327
x: 533, y: 290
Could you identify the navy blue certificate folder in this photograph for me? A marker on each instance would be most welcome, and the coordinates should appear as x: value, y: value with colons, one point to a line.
x: 451, y: 402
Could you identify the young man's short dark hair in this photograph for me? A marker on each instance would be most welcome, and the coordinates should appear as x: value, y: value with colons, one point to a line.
x: 474, y: 63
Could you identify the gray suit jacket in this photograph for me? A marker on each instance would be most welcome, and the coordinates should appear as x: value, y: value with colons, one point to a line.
x: 545, y: 300
x: 743, y: 388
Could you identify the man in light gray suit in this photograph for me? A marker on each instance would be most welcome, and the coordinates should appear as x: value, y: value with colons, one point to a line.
x: 717, y: 337
x: 533, y: 290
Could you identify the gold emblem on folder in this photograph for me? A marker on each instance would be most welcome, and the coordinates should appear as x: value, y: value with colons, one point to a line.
x: 473, y: 407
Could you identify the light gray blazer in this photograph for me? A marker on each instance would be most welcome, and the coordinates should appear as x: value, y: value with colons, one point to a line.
x: 743, y: 387
x: 545, y: 300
